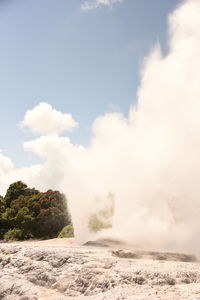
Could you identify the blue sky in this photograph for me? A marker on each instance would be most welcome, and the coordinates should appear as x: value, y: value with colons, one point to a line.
x: 81, y: 62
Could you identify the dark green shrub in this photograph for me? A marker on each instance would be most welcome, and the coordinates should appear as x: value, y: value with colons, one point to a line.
x: 16, y: 235
x: 66, y: 232
x: 103, y: 218
x: 95, y: 223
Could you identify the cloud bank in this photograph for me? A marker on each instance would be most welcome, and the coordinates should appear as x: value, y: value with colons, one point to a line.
x: 93, y: 4
x: 149, y: 161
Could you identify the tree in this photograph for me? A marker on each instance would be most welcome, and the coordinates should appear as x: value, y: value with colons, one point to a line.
x: 17, y: 189
x: 1, y: 204
x: 28, y: 212
x: 2, y: 222
x: 51, y: 214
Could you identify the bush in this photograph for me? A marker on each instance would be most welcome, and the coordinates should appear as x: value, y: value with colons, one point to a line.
x: 66, y: 232
x: 103, y: 218
x: 26, y: 210
x: 16, y: 234
x: 95, y: 223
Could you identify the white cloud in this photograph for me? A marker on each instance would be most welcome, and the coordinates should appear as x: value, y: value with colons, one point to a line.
x: 92, y: 4
x: 150, y: 161
x: 43, y: 119
x: 5, y: 165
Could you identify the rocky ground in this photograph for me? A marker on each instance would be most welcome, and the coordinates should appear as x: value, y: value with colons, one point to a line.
x: 59, y: 270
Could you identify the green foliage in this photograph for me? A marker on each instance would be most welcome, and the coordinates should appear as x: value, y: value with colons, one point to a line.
x: 2, y: 206
x: 66, y: 232
x: 50, y: 214
x: 16, y: 190
x: 103, y: 218
x: 26, y: 210
x: 2, y: 222
x: 16, y: 234
x: 95, y: 223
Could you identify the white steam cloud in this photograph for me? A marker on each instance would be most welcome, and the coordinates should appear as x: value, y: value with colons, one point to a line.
x: 93, y: 4
x: 149, y: 161
x: 43, y: 119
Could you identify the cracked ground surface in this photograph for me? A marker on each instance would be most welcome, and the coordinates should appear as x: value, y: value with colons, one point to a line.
x: 58, y: 270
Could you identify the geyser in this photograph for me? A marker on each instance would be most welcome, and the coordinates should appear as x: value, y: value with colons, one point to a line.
x: 149, y: 161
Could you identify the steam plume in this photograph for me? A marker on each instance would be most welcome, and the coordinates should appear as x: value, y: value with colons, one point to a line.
x: 149, y: 161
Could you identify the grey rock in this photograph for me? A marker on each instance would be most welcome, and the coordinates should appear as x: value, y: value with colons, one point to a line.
x: 39, y: 271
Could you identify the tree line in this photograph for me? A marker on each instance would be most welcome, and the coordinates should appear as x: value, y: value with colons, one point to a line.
x: 28, y: 213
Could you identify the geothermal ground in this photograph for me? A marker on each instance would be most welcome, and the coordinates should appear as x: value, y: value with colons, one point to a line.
x: 58, y: 269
